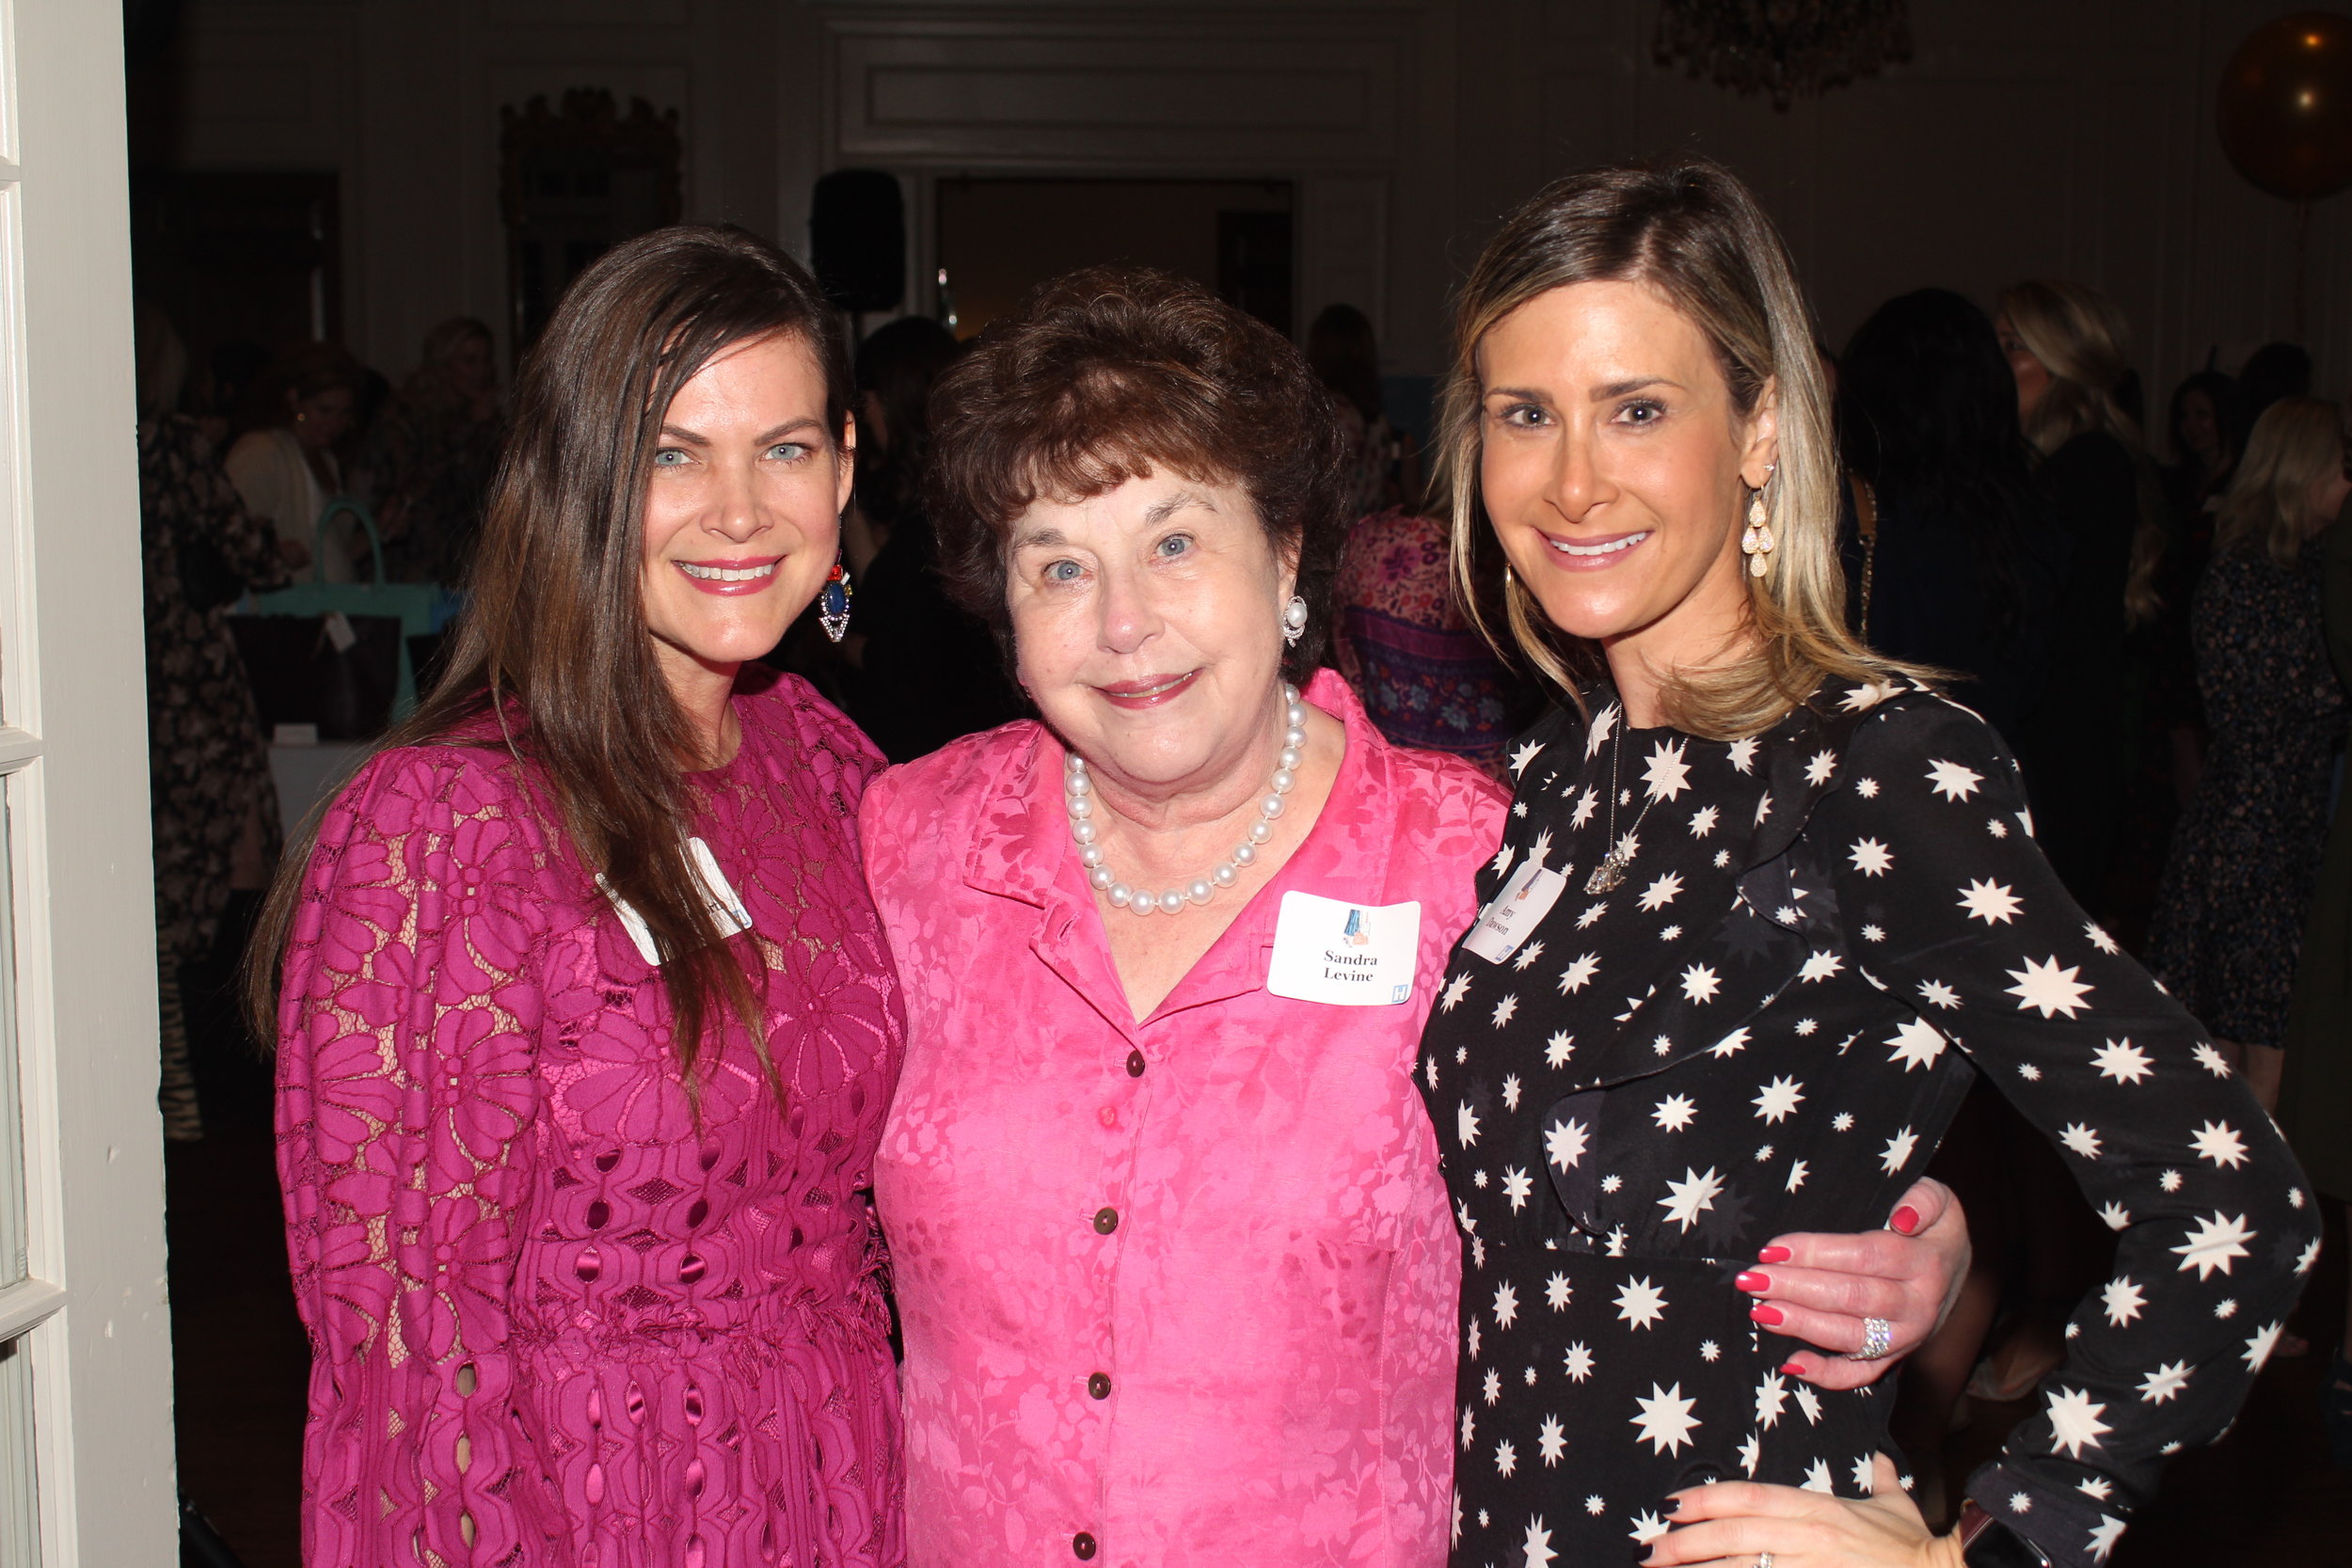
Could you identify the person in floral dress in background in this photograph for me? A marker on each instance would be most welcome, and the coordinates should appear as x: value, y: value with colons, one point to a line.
x: 214, y: 812
x: 1426, y: 676
x: 2229, y: 918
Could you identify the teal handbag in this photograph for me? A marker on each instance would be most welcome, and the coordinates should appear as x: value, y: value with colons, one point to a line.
x: 421, y: 608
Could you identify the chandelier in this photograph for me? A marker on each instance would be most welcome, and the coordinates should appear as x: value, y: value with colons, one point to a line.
x: 1785, y: 48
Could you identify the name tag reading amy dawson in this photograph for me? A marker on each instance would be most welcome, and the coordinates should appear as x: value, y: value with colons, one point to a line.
x: 1350, y: 954
x: 1518, y: 909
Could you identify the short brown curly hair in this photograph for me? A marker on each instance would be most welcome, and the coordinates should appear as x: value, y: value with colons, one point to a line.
x: 1110, y: 373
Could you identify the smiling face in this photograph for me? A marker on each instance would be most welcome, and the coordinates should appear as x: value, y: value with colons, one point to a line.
x: 743, y: 507
x: 1146, y: 628
x: 1615, y: 467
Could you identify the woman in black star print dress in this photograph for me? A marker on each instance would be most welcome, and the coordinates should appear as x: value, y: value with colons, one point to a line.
x: 1753, y: 929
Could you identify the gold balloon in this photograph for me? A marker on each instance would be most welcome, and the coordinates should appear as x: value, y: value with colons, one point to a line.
x: 2285, y: 113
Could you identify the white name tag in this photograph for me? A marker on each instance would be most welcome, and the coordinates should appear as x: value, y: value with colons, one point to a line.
x: 1351, y: 954
x: 1517, y: 910
x: 727, y: 909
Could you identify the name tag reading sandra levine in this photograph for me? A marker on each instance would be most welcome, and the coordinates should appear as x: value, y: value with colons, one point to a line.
x: 1349, y: 955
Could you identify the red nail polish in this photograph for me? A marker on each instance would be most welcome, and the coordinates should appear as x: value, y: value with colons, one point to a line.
x: 1906, y: 1220
x: 1794, y: 1368
x: 1765, y: 1314
x: 1754, y: 1282
x: 1774, y: 1255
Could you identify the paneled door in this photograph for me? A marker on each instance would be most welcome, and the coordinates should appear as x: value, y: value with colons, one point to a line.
x: 86, y: 1456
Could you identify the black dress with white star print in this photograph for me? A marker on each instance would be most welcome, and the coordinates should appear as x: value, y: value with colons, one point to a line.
x: 1822, y: 934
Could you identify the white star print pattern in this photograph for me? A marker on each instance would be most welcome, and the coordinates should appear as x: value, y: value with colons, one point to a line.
x: 1455, y: 990
x: 2165, y: 1383
x: 1564, y: 1143
x: 1990, y: 902
x: 1952, y: 781
x: 1916, y: 1043
x: 1613, y: 1162
x: 1692, y: 1196
x: 1778, y: 1099
x: 2047, y: 986
x: 1665, y: 1422
x: 2081, y: 1139
x: 1639, y: 1303
x: 2076, y: 1419
x: 1665, y: 772
x: 1552, y: 1440
x: 2121, y: 1061
x: 2216, y: 1142
x: 2214, y: 1244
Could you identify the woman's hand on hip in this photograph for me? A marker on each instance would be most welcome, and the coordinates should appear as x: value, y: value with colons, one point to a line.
x: 1820, y: 1288
x: 1737, y: 1522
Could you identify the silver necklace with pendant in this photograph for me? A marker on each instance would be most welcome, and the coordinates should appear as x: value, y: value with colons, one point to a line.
x: 1610, y: 871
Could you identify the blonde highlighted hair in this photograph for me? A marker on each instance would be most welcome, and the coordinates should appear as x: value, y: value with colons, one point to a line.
x: 2082, y: 338
x: 1690, y: 229
x: 2297, y: 443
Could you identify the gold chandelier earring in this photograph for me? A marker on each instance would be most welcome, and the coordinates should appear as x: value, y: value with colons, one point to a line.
x: 1756, y: 543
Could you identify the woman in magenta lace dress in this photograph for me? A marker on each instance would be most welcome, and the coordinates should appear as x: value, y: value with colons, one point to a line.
x: 586, y: 1024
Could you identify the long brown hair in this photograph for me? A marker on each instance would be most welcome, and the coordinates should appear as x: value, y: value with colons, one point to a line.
x: 552, y: 659
x: 1689, y: 228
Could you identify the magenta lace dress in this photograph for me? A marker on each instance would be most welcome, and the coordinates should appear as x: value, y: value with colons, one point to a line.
x: 554, y: 1322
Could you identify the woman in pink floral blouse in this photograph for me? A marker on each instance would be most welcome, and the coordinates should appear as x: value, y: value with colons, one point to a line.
x: 1169, y: 1240
x: 586, y: 1027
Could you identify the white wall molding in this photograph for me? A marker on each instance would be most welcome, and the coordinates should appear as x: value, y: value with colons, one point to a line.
x: 2023, y: 138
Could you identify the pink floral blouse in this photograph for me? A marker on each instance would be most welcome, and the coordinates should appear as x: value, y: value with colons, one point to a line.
x: 554, y: 1321
x: 1179, y: 1292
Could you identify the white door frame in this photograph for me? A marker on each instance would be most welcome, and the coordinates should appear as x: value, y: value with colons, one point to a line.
x: 73, y: 762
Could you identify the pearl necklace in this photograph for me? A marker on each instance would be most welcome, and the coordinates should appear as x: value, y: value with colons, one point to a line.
x: 1078, y: 794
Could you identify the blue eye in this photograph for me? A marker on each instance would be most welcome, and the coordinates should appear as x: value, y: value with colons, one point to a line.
x: 668, y: 457
x: 789, y: 451
x: 1175, y: 543
x: 1063, y: 571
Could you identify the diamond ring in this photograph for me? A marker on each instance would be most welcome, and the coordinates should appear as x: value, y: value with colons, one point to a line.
x: 1763, y: 1560
x: 1878, y: 1340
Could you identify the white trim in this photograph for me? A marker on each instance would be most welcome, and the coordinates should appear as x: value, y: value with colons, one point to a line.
x: 27, y: 1305
x: 75, y: 764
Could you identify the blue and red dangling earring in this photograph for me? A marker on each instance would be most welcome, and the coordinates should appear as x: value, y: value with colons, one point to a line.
x: 833, y: 603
